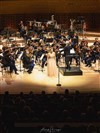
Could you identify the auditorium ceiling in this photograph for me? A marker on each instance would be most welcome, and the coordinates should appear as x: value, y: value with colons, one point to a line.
x: 49, y: 6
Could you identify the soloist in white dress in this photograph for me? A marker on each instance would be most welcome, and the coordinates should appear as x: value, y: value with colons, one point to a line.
x: 51, y: 65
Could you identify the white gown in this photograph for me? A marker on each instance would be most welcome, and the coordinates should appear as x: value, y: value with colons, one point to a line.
x: 51, y: 65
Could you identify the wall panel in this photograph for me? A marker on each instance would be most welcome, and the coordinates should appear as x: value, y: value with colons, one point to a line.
x: 12, y: 20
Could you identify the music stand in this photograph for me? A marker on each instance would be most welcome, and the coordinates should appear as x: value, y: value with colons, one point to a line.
x: 20, y: 58
x: 58, y: 84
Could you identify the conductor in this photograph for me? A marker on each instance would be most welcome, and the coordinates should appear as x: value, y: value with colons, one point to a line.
x: 67, y: 56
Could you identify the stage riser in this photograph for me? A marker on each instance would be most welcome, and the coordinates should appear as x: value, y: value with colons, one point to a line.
x: 90, y: 35
x: 70, y: 72
x: 89, y: 41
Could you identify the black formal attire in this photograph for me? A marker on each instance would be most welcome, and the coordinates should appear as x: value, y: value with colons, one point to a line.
x: 12, y: 64
x: 44, y: 59
x: 8, y: 60
x: 28, y: 62
x: 67, y: 56
x: 38, y: 54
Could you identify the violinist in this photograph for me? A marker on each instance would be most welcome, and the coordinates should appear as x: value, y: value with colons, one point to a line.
x: 12, y: 64
x: 8, y: 60
x: 78, y: 53
x: 88, y: 59
x: 28, y: 59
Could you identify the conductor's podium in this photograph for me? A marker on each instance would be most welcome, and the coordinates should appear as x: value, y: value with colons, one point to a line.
x: 75, y: 67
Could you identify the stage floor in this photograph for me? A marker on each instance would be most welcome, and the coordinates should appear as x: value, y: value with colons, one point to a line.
x: 38, y: 81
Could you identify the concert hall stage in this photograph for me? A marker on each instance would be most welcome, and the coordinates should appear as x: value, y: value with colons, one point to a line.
x: 87, y: 81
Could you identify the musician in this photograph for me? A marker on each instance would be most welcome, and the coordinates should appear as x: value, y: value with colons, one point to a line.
x: 51, y: 63
x: 72, y: 24
x: 12, y: 64
x: 84, y: 26
x: 20, y: 25
x: 52, y: 18
x: 8, y: 60
x: 94, y: 51
x: 28, y: 60
x: 25, y: 33
x: 30, y: 25
x: 88, y: 59
x: 67, y: 49
x: 35, y: 26
x: 78, y: 53
x: 75, y: 39
x: 21, y: 28
x: 97, y: 53
x: 96, y: 42
x: 38, y: 53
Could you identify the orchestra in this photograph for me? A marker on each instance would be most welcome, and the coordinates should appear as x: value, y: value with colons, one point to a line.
x: 37, y: 38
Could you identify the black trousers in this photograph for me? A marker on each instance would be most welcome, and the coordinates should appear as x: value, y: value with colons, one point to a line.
x: 13, y: 68
x: 43, y: 62
x: 67, y: 61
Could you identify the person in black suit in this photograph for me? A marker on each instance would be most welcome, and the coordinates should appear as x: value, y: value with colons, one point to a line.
x: 12, y: 64
x: 67, y: 49
x: 8, y: 60
x: 28, y: 61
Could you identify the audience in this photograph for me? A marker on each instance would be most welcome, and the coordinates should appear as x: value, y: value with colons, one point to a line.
x: 50, y: 108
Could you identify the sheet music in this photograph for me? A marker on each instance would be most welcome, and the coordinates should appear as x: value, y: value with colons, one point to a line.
x: 42, y: 57
x: 72, y: 51
x: 20, y: 55
x: 1, y: 54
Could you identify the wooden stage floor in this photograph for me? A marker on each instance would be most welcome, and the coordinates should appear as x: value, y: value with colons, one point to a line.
x: 38, y: 81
